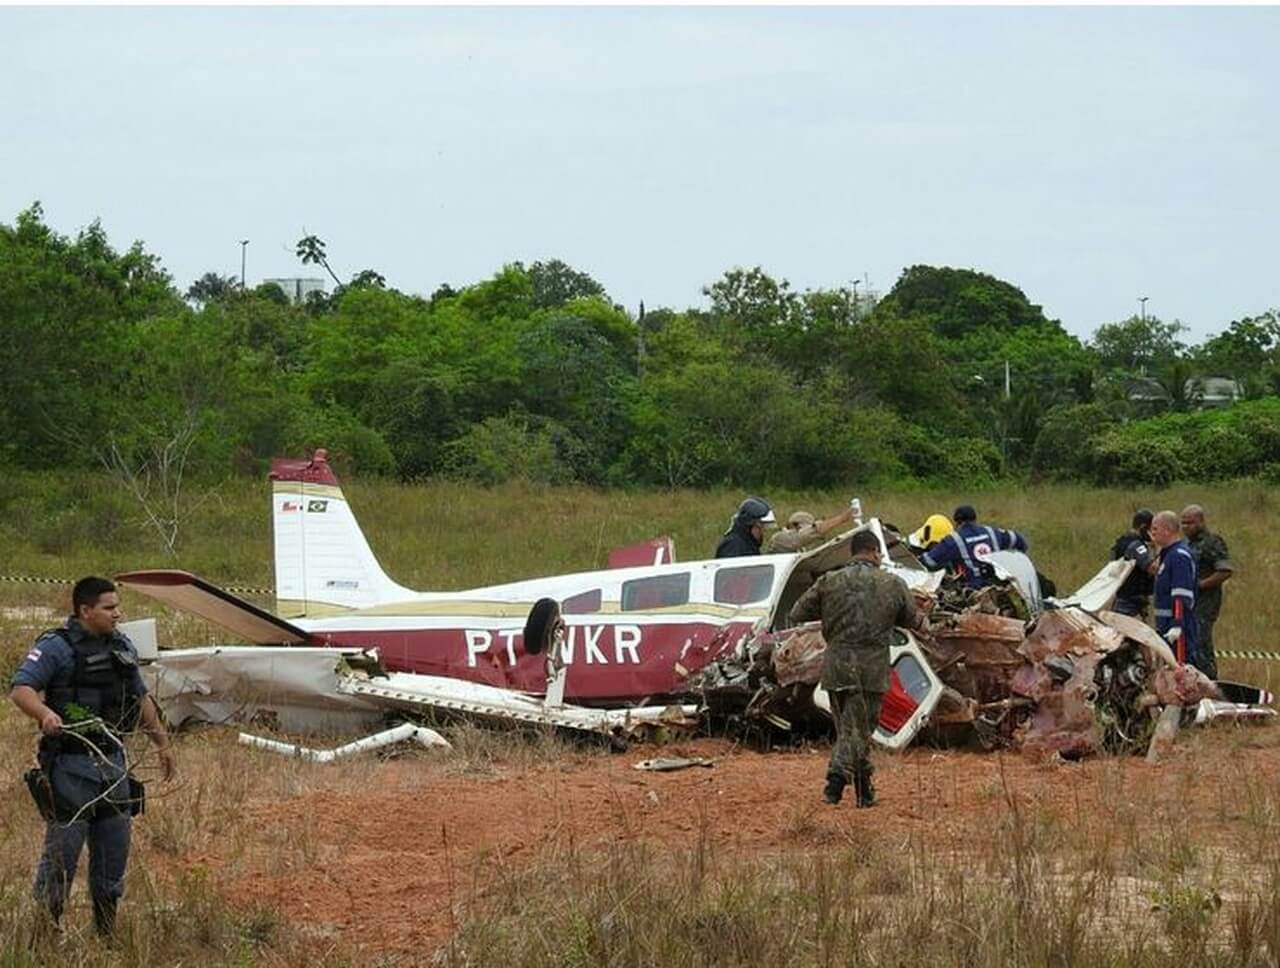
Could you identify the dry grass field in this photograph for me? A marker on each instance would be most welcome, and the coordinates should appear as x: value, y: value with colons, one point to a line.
x: 526, y: 849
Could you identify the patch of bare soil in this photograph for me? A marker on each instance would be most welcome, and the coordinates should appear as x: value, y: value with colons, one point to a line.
x: 384, y: 866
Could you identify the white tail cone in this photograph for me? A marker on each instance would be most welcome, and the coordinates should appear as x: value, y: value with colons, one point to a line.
x: 405, y: 731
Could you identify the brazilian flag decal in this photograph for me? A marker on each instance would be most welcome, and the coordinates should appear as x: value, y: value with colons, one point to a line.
x: 317, y: 507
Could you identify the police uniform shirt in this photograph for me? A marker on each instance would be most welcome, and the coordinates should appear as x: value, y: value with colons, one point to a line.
x: 1131, y: 546
x: 737, y: 544
x: 53, y: 658
x: 80, y: 776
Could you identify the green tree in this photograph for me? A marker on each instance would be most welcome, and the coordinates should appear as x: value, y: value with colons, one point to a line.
x: 957, y: 302
x: 750, y: 303
x: 66, y: 309
x: 211, y: 286
x: 411, y: 405
x: 1137, y: 344
x: 573, y: 374
x: 1248, y: 351
x: 555, y: 283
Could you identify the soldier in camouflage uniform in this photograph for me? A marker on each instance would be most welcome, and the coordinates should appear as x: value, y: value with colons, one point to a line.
x: 859, y: 606
x: 1213, y: 568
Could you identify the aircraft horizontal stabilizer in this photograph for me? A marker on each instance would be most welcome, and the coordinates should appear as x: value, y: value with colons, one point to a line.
x: 185, y: 592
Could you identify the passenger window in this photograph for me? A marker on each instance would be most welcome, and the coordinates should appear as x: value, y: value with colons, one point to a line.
x: 661, y: 591
x: 582, y: 603
x: 915, y: 683
x: 739, y: 586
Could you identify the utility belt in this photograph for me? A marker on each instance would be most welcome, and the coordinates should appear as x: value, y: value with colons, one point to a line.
x: 53, y: 806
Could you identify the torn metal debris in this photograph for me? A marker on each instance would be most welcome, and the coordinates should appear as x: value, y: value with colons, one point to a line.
x: 307, y: 690
x: 1003, y: 665
x: 668, y: 764
x: 405, y: 732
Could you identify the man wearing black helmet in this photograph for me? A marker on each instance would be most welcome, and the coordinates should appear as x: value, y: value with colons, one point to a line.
x: 966, y: 548
x: 1134, y: 545
x: 746, y: 529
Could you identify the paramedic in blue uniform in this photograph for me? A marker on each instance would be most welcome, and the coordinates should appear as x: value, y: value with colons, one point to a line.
x: 87, y: 669
x: 965, y: 548
x: 1175, y: 591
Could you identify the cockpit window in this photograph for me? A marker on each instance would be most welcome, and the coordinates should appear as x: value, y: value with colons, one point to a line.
x: 582, y: 603
x: 660, y: 591
x: 741, y: 586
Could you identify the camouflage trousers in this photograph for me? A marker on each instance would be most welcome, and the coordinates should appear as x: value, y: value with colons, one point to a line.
x: 1206, y: 659
x: 856, y: 713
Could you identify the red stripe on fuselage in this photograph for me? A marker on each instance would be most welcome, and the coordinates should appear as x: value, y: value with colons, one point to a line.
x: 611, y: 661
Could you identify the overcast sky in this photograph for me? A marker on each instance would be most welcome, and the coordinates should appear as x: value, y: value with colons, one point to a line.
x: 1089, y: 156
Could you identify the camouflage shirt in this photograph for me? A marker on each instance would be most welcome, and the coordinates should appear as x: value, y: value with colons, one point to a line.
x: 789, y: 540
x: 859, y: 606
x: 1210, y: 551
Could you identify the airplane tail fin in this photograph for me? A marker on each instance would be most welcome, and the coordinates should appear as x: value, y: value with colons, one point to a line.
x: 323, y: 563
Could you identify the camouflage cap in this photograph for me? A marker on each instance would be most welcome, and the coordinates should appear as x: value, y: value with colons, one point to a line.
x: 800, y: 519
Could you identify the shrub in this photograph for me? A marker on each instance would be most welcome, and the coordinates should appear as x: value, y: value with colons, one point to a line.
x: 511, y: 447
x: 1125, y: 457
x: 1066, y: 445
x: 351, y: 445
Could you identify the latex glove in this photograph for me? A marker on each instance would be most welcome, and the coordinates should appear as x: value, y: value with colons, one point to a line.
x: 1173, y: 635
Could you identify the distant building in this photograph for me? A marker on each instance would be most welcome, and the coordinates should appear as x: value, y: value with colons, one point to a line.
x: 1218, y: 391
x: 297, y: 289
x: 1207, y: 392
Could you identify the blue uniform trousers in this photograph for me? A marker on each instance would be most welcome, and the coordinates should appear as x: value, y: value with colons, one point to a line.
x: 77, y: 780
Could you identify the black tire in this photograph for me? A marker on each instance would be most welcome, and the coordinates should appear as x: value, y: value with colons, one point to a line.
x: 540, y: 625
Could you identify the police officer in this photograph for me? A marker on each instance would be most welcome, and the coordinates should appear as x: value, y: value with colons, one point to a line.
x: 1134, y: 545
x: 804, y: 531
x: 746, y: 529
x: 859, y: 606
x: 87, y: 670
x: 1213, y: 568
x: 965, y: 549
x: 1175, y: 588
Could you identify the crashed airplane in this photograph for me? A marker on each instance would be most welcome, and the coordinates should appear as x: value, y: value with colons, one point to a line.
x: 617, y: 643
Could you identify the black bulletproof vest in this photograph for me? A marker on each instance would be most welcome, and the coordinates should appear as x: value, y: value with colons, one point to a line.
x: 101, y: 682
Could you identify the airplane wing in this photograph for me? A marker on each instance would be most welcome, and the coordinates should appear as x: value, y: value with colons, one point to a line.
x: 184, y: 591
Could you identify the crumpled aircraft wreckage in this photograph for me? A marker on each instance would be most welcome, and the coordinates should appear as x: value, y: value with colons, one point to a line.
x: 649, y: 646
x: 1000, y: 666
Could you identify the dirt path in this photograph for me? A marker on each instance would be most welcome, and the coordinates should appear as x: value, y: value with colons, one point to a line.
x: 381, y: 866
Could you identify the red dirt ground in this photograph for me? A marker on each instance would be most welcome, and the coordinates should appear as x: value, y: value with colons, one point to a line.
x: 385, y: 857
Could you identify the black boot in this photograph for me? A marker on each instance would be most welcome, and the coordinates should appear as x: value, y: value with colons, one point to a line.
x: 104, y: 916
x: 835, y: 788
x: 863, y: 787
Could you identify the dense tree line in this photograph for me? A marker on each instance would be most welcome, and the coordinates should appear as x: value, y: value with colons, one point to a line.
x: 535, y: 372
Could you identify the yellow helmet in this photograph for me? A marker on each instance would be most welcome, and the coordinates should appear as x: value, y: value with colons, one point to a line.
x: 935, y: 528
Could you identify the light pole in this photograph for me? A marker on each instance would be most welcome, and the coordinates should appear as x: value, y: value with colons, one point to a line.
x: 244, y: 244
x: 1142, y: 301
x: 855, y: 299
